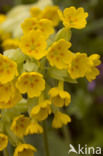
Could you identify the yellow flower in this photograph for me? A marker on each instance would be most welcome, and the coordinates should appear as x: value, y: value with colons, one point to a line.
x: 58, y: 54
x: 51, y: 13
x: 19, y: 125
x: 59, y: 97
x: 6, y: 91
x: 41, y: 111
x: 4, y: 35
x: 34, y: 128
x: 44, y: 25
x: 2, y: 18
x: 94, y: 61
x: 3, y: 141
x: 32, y: 83
x: 35, y: 12
x: 74, y: 18
x: 10, y: 44
x: 79, y: 65
x: 34, y: 44
x: 8, y: 69
x: 14, y: 99
x: 60, y: 119
x: 24, y: 150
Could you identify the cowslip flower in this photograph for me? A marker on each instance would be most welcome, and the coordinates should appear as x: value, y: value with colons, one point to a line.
x: 24, y: 150
x: 51, y: 13
x: 3, y: 141
x: 44, y: 25
x: 8, y: 69
x: 58, y: 54
x: 74, y: 18
x: 4, y: 35
x: 37, y: 43
x: 92, y: 72
x: 19, y: 125
x: 12, y: 100
x: 34, y: 44
x: 78, y: 66
x: 6, y: 91
x: 41, y: 111
x: 2, y: 18
x: 59, y: 97
x: 60, y: 119
x: 35, y: 12
x: 10, y: 44
x: 34, y: 128
x: 31, y: 83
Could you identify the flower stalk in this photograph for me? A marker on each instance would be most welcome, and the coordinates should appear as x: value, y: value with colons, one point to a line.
x: 6, y: 153
x: 45, y: 138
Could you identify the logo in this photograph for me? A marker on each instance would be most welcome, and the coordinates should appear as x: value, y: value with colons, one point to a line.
x: 85, y: 150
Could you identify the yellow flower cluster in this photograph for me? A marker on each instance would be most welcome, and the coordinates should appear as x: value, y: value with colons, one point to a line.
x: 27, y: 91
x: 50, y: 13
x: 3, y: 34
x: 19, y: 125
x: 60, y: 97
x: 9, y: 95
x: 74, y: 18
x: 34, y: 128
x: 3, y: 141
x: 94, y: 61
x: 24, y: 150
x: 60, y: 119
x: 32, y: 46
x: 45, y: 26
x: 2, y: 18
x: 77, y: 64
x: 58, y: 54
x: 41, y: 111
x: 32, y: 83
x: 10, y: 44
x: 8, y: 69
x: 83, y: 66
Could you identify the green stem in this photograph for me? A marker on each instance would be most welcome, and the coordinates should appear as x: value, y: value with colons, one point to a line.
x: 6, y: 153
x: 67, y: 134
x: 61, y: 85
x: 41, y: 98
x: 45, y: 136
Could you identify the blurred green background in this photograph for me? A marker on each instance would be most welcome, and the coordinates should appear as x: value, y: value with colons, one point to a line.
x: 86, y: 109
